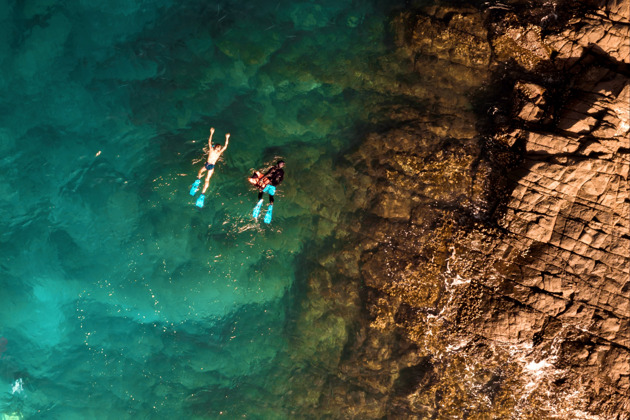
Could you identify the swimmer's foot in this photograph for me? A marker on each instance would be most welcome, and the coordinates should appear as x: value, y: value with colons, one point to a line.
x: 256, y: 211
x: 200, y: 201
x: 195, y: 187
x: 268, y: 214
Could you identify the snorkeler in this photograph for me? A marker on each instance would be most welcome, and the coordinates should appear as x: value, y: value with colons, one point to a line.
x: 267, y: 183
x: 214, y: 153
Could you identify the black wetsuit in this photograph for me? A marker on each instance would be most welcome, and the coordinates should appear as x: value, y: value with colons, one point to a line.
x: 275, y: 175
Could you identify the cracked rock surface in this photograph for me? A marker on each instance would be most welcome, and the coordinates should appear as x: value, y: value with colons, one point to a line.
x: 495, y: 257
x: 560, y: 257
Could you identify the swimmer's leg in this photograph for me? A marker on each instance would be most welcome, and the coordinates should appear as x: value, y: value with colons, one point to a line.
x: 256, y: 211
x: 195, y: 187
x: 205, y: 186
x: 268, y: 214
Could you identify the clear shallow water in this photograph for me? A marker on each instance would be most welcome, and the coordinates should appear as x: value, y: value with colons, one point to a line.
x: 118, y: 297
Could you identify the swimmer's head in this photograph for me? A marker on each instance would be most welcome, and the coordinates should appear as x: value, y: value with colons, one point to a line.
x: 280, y: 163
x: 216, y: 147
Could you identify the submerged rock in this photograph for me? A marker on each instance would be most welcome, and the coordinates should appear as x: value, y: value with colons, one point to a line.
x: 523, y: 45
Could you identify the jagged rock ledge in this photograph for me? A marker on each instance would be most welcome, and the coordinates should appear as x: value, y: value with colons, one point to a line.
x: 495, y: 256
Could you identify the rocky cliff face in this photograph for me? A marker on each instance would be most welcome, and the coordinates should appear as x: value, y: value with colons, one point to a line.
x: 558, y: 262
x: 495, y: 260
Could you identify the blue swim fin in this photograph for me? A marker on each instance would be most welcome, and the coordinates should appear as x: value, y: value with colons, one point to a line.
x: 195, y: 187
x: 256, y: 211
x: 200, y: 200
x: 268, y: 214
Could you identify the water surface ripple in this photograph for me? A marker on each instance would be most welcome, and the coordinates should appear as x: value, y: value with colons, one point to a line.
x: 120, y: 298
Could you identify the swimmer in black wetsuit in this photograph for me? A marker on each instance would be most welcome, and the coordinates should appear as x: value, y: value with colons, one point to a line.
x: 275, y: 175
x: 214, y: 153
x: 267, y: 183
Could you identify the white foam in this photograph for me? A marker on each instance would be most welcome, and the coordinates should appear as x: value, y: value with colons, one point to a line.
x: 16, y: 388
x: 537, y: 368
x: 459, y: 280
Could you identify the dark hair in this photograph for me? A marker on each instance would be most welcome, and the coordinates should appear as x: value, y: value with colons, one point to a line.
x: 279, y: 162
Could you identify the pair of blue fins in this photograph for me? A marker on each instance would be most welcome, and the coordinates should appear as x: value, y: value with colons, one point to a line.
x: 255, y: 213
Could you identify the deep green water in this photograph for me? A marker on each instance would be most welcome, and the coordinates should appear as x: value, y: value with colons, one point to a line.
x: 119, y: 298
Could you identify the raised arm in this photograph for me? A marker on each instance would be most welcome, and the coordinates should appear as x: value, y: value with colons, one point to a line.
x: 210, y: 138
x: 227, y: 140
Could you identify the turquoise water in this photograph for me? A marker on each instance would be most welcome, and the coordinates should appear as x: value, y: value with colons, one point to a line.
x: 119, y: 298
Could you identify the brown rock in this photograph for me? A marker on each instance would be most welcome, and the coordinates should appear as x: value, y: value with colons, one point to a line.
x: 569, y: 215
x: 525, y: 313
x: 523, y: 45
